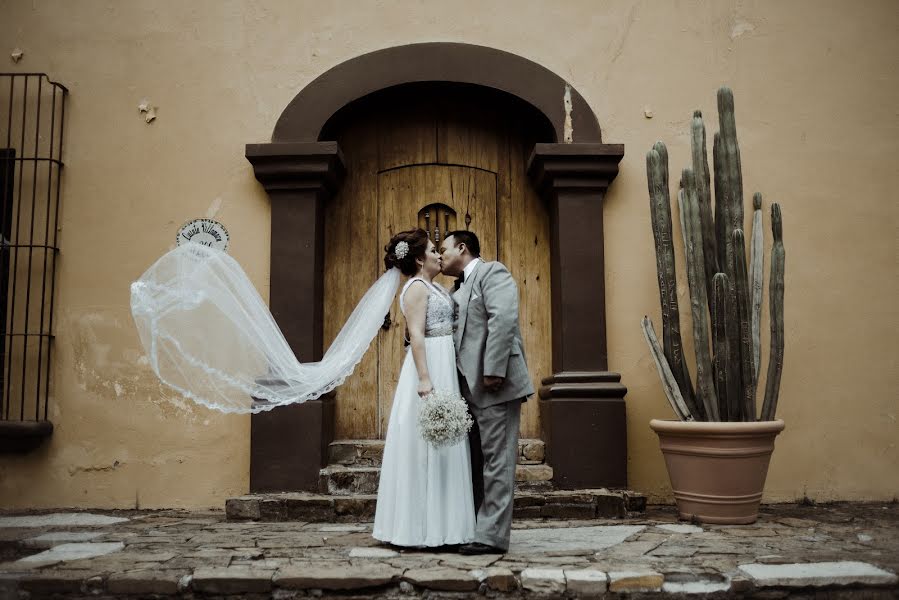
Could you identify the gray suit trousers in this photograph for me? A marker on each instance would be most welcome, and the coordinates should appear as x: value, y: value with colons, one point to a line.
x: 494, y: 454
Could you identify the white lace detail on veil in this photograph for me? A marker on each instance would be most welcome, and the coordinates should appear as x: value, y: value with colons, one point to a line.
x: 209, y: 335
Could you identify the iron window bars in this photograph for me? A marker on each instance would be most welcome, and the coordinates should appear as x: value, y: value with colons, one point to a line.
x: 32, y: 116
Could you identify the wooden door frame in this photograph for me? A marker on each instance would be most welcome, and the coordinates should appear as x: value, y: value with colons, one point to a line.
x: 582, y: 403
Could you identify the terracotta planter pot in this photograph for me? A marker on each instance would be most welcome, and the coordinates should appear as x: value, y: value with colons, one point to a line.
x: 717, y: 470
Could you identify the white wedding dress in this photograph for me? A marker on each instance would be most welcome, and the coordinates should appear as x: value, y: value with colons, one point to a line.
x: 425, y: 493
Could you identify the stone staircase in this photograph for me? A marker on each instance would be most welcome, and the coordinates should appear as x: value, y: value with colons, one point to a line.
x: 348, y: 489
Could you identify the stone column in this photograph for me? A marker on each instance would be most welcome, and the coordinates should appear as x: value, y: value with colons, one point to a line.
x: 288, y: 445
x: 582, y: 403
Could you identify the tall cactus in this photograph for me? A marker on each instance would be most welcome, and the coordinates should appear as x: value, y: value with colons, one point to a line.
x: 660, y: 209
x: 776, y: 310
x: 691, y: 230
x: 704, y: 198
x: 725, y: 246
x: 731, y: 149
x: 756, y: 282
x: 721, y: 345
x: 668, y: 381
x: 725, y: 295
x: 747, y: 371
x: 722, y: 208
x: 733, y: 175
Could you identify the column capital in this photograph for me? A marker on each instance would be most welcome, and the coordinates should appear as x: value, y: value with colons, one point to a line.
x: 588, y: 167
x: 297, y: 166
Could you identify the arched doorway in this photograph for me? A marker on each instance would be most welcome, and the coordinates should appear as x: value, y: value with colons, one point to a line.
x: 581, y: 405
x: 436, y: 155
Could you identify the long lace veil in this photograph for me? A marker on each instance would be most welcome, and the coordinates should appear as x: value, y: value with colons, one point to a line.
x: 209, y: 335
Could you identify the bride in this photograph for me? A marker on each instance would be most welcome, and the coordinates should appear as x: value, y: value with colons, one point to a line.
x: 425, y: 493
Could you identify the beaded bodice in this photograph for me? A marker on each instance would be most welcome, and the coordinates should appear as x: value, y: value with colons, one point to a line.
x: 441, y: 309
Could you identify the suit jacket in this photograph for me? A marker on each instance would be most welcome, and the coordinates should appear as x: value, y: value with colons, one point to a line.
x: 488, y: 337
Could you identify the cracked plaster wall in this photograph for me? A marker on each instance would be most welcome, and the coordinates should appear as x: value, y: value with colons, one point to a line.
x: 815, y: 93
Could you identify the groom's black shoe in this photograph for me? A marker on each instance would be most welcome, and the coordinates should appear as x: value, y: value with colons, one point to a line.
x: 479, y: 548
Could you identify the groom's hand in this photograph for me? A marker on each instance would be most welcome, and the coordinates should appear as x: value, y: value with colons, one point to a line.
x: 493, y: 384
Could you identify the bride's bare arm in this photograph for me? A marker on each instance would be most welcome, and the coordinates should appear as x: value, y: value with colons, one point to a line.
x: 416, y: 303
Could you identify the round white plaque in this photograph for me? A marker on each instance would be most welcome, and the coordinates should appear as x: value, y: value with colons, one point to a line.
x: 204, y: 231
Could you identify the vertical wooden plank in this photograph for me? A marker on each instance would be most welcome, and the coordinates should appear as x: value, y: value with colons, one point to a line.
x: 399, y: 192
x: 471, y: 193
x: 474, y: 196
x: 525, y: 249
x: 351, y: 224
x: 407, y: 133
x: 469, y: 133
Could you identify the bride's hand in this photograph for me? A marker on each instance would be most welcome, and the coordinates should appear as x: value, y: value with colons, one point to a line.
x: 424, y: 388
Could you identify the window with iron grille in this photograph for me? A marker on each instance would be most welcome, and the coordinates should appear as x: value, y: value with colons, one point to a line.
x: 437, y: 219
x: 32, y: 115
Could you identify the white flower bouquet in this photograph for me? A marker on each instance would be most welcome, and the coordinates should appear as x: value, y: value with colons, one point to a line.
x: 443, y: 418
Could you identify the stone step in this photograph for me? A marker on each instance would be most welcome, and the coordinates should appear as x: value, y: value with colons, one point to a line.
x: 340, y: 480
x: 336, y: 479
x: 303, y: 506
x: 356, y: 453
x: 368, y: 453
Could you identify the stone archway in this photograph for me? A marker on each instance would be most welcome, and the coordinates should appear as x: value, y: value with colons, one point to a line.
x: 582, y: 404
x: 304, y: 118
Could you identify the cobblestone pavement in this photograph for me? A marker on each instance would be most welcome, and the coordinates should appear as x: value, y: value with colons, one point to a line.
x: 825, y: 551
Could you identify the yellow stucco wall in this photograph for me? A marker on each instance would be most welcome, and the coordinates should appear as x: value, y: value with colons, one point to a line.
x: 816, y: 96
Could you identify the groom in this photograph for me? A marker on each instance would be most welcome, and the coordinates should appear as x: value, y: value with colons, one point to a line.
x: 493, y: 377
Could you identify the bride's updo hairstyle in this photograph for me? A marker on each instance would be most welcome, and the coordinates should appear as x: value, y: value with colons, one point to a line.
x: 417, y: 242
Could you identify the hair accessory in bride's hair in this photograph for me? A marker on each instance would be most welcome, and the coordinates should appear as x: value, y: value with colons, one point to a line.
x: 401, y: 249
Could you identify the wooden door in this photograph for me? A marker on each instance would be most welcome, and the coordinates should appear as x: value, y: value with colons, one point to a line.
x: 407, y: 149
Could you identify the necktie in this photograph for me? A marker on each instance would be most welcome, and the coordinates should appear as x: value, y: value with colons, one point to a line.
x: 459, y: 280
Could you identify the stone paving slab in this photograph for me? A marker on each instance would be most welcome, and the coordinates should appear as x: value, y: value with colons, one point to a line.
x: 373, y: 553
x: 679, y: 528
x: 700, y: 587
x: 575, y: 539
x: 75, y: 551
x: 818, y: 574
x: 48, y: 540
x: 148, y: 581
x: 443, y: 578
x: 586, y: 583
x: 180, y: 554
x: 60, y: 520
x: 543, y: 581
x: 497, y: 578
x: 335, y: 577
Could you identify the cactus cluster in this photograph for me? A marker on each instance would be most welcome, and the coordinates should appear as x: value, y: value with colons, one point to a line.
x: 725, y: 292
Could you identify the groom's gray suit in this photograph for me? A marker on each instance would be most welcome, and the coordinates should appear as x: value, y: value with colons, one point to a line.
x: 488, y: 343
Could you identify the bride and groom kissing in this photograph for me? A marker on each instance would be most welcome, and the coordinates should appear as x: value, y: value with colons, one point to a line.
x: 466, y: 341
x: 208, y: 334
